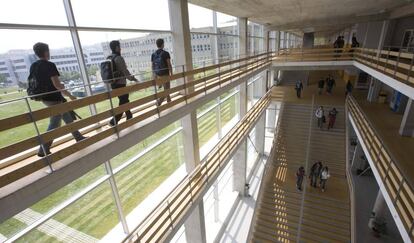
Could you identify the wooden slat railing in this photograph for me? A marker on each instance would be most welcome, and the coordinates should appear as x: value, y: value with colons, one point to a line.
x: 171, y: 212
x: 190, y: 89
x: 194, y: 83
x: 393, y: 178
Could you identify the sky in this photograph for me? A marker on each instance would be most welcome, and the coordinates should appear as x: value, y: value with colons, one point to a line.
x: 137, y: 14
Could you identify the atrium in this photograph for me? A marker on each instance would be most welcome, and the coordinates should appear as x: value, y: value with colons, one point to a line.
x: 201, y: 121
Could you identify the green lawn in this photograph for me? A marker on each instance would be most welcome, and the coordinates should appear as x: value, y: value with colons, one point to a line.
x: 95, y: 213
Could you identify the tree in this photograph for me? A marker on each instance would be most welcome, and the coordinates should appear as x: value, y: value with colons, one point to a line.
x: 3, y: 78
x: 92, y: 70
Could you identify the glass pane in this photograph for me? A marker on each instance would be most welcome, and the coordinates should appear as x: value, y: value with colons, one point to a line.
x: 144, y: 175
x: 15, y: 61
x: 224, y: 20
x: 30, y: 12
x: 88, y: 219
x: 228, y: 47
x: 135, y: 150
x: 228, y: 114
x: 207, y: 131
x: 13, y: 225
x: 133, y: 14
x: 202, y: 46
x: 201, y: 19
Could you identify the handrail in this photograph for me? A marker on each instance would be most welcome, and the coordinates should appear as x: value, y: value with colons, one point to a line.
x: 178, y: 203
x: 394, y: 179
x: 187, y: 91
x: 190, y: 84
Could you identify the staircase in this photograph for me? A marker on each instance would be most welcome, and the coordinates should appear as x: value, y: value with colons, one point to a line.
x: 284, y: 214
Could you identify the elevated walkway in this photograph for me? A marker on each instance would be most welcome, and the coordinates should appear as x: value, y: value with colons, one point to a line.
x: 284, y: 214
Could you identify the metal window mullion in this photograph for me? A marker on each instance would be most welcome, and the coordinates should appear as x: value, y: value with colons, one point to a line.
x: 115, y: 194
x: 79, y: 52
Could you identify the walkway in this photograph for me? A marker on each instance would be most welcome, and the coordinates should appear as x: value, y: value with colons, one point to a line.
x: 284, y: 214
x: 55, y: 229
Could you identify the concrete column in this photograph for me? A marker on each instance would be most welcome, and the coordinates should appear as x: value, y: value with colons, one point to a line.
x: 374, y: 90
x: 378, y: 211
x: 195, y: 224
x: 215, y: 38
x: 260, y: 135
x: 267, y: 40
x: 357, y: 162
x: 407, y: 123
x: 242, y: 25
x: 240, y: 168
x: 383, y: 34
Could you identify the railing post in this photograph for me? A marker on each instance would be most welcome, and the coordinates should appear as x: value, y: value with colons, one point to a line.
x: 204, y: 77
x: 409, y: 70
x: 396, y: 63
x: 186, y: 91
x: 39, y: 137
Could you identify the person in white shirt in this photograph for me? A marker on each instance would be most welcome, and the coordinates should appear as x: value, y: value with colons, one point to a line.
x: 324, y: 177
x: 319, y: 113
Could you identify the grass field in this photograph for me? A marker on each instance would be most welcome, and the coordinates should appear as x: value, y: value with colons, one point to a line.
x: 95, y: 213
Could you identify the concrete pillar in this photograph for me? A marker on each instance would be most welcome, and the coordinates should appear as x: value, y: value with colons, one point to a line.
x: 267, y: 40
x: 378, y: 211
x: 383, y: 34
x: 407, y: 123
x: 239, y: 169
x: 195, y: 224
x: 260, y: 135
x: 357, y: 162
x: 242, y: 25
x: 308, y: 40
x: 215, y: 38
x: 374, y: 90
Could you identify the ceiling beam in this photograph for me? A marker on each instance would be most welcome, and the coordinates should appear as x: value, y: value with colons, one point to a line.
x: 403, y: 11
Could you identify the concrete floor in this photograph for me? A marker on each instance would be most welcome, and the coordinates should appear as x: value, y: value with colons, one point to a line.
x: 366, y: 189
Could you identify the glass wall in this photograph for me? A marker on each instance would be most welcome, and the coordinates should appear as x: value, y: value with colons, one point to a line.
x: 215, y: 119
x: 214, y: 36
x: 255, y: 38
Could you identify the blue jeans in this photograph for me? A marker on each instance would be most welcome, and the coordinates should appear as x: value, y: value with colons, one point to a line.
x: 55, y: 122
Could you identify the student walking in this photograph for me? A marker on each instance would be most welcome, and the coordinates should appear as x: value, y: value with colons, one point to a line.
x: 299, y: 88
x: 314, y: 173
x: 161, y: 67
x: 44, y: 78
x: 349, y: 87
x: 355, y: 43
x: 319, y: 114
x: 324, y: 177
x: 321, y: 84
x: 332, y: 118
x: 123, y: 74
x: 300, y: 173
x: 330, y: 83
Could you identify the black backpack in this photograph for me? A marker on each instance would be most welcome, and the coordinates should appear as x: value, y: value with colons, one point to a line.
x: 109, y: 72
x: 160, y: 68
x: 35, y: 86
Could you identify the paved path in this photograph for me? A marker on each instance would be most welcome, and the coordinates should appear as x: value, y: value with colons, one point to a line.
x: 54, y: 228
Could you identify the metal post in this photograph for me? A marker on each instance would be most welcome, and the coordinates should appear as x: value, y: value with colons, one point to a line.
x: 39, y: 138
x: 79, y: 52
x: 185, y: 85
x: 115, y: 194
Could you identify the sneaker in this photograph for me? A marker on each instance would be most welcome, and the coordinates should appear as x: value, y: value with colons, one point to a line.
x: 81, y: 138
x: 112, y: 123
x: 41, y: 154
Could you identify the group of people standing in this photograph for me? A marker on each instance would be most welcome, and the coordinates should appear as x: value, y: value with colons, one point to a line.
x: 317, y: 172
x: 45, y: 86
x: 330, y: 83
x: 320, y: 116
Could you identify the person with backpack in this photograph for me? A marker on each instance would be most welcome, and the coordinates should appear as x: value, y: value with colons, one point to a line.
x: 319, y: 114
x: 314, y: 173
x: 332, y: 118
x: 324, y: 177
x: 321, y: 84
x: 300, y: 173
x: 117, y: 77
x: 161, y: 67
x: 299, y: 88
x: 44, y: 85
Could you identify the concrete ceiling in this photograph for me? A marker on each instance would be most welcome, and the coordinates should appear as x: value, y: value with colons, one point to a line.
x: 307, y: 15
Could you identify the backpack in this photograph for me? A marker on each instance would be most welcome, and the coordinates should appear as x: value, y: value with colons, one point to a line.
x: 34, y: 86
x: 109, y: 72
x: 298, y: 85
x: 159, y: 65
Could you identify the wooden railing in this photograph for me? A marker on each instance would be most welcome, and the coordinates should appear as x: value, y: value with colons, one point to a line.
x: 193, y: 84
x: 398, y: 65
x: 190, y: 85
x: 393, y: 178
x: 171, y: 212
